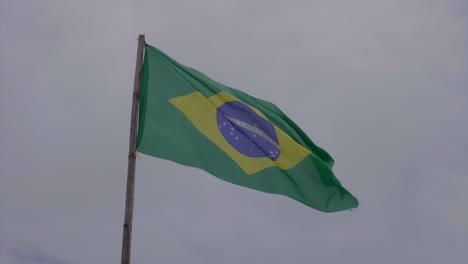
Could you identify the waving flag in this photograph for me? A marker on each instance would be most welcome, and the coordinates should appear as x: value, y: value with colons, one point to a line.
x: 190, y: 119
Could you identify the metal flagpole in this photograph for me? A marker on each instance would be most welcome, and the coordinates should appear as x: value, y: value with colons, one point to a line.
x: 127, y: 227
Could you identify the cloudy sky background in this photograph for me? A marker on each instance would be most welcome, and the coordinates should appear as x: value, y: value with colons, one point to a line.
x: 382, y: 85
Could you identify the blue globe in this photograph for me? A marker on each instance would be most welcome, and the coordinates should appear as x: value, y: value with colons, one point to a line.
x: 246, y: 131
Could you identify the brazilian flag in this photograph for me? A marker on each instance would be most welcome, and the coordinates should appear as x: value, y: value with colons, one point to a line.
x: 195, y: 121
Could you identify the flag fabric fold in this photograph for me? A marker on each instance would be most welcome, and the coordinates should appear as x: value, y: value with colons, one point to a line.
x: 193, y: 120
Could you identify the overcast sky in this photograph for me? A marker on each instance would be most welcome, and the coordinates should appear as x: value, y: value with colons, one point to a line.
x: 381, y: 85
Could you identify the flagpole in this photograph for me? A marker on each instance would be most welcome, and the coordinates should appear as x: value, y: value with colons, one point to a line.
x: 127, y: 227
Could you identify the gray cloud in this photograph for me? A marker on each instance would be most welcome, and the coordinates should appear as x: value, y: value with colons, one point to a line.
x: 25, y: 254
x: 382, y: 85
